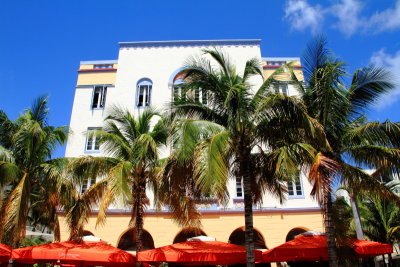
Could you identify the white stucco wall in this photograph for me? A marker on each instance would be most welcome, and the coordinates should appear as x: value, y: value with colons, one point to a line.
x: 157, y: 63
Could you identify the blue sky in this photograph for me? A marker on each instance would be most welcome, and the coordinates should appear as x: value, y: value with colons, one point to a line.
x: 42, y: 42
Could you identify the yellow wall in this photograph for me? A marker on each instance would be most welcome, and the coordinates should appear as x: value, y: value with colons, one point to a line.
x: 88, y: 78
x: 284, y: 77
x: 273, y: 227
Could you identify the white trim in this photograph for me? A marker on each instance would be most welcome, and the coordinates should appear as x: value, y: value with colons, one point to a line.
x: 280, y: 59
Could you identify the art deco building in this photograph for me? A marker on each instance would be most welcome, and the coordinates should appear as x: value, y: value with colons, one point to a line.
x: 146, y: 74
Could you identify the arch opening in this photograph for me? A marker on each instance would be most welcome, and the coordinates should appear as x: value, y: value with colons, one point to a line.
x: 237, y: 238
x: 295, y: 231
x: 186, y: 233
x: 87, y: 233
x: 128, y: 240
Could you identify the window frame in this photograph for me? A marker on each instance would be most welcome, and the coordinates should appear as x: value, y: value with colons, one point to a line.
x: 86, y: 183
x: 239, y: 185
x: 278, y: 88
x: 147, y: 93
x: 294, y: 184
x: 93, y: 140
x: 102, y: 97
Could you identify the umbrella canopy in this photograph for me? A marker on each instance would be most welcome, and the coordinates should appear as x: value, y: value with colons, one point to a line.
x: 5, y: 253
x: 201, y: 238
x: 314, y: 248
x: 198, y: 253
x: 74, y: 253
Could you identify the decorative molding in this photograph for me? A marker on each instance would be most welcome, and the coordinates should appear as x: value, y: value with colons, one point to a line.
x: 280, y: 59
x: 186, y: 43
x: 220, y: 212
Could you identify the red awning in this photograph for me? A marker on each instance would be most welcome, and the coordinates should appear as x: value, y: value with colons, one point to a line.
x: 74, y: 253
x: 314, y: 248
x: 5, y: 253
x: 198, y: 253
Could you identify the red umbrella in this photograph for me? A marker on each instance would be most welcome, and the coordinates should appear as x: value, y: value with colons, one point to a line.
x: 5, y: 253
x: 314, y: 248
x: 74, y: 253
x: 198, y: 253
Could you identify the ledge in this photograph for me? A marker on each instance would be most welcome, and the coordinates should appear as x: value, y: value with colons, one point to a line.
x: 221, y: 212
x: 97, y: 70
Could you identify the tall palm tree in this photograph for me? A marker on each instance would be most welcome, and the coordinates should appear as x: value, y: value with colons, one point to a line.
x: 256, y: 135
x: 26, y: 167
x: 132, y: 147
x: 355, y: 142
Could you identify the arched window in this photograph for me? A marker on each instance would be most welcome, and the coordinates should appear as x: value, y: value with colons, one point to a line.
x: 143, y: 98
x: 198, y: 95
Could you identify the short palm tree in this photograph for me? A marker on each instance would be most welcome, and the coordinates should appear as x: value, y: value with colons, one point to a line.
x: 256, y: 135
x: 26, y: 167
x: 355, y: 142
x: 132, y: 146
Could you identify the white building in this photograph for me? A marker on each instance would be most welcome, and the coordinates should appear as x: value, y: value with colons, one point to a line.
x: 144, y: 75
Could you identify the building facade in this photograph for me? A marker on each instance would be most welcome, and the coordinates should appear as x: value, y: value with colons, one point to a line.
x: 148, y: 74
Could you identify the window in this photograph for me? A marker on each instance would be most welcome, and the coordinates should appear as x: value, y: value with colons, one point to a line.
x: 103, y: 66
x: 92, y: 141
x: 276, y: 63
x: 178, y: 89
x: 144, y: 92
x: 295, y: 188
x: 99, y: 96
x: 281, y: 88
x: 239, y: 187
x: 200, y: 96
x: 87, y: 183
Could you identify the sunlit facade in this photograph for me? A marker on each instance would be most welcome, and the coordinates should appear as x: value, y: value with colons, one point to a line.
x: 149, y: 74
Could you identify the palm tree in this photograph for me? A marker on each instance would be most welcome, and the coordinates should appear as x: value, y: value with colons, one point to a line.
x: 132, y: 146
x: 26, y: 167
x: 355, y: 142
x: 380, y: 218
x: 256, y: 135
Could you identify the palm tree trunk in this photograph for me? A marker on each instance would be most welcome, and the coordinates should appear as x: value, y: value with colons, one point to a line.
x: 330, y: 231
x: 141, y: 197
x: 248, y: 211
x: 356, y: 215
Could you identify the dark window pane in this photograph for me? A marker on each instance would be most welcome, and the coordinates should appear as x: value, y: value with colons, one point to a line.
x: 96, y: 95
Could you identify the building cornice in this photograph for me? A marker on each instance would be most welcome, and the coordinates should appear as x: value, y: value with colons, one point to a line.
x: 280, y: 59
x: 94, y: 62
x: 222, y: 42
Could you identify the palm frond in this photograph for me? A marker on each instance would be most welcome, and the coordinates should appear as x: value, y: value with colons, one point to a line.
x: 321, y: 175
x: 211, y: 161
x: 119, y: 185
x: 368, y: 85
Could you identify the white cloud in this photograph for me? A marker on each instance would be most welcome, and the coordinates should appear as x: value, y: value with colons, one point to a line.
x: 302, y: 15
x: 346, y: 14
x: 388, y: 19
x: 381, y: 58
